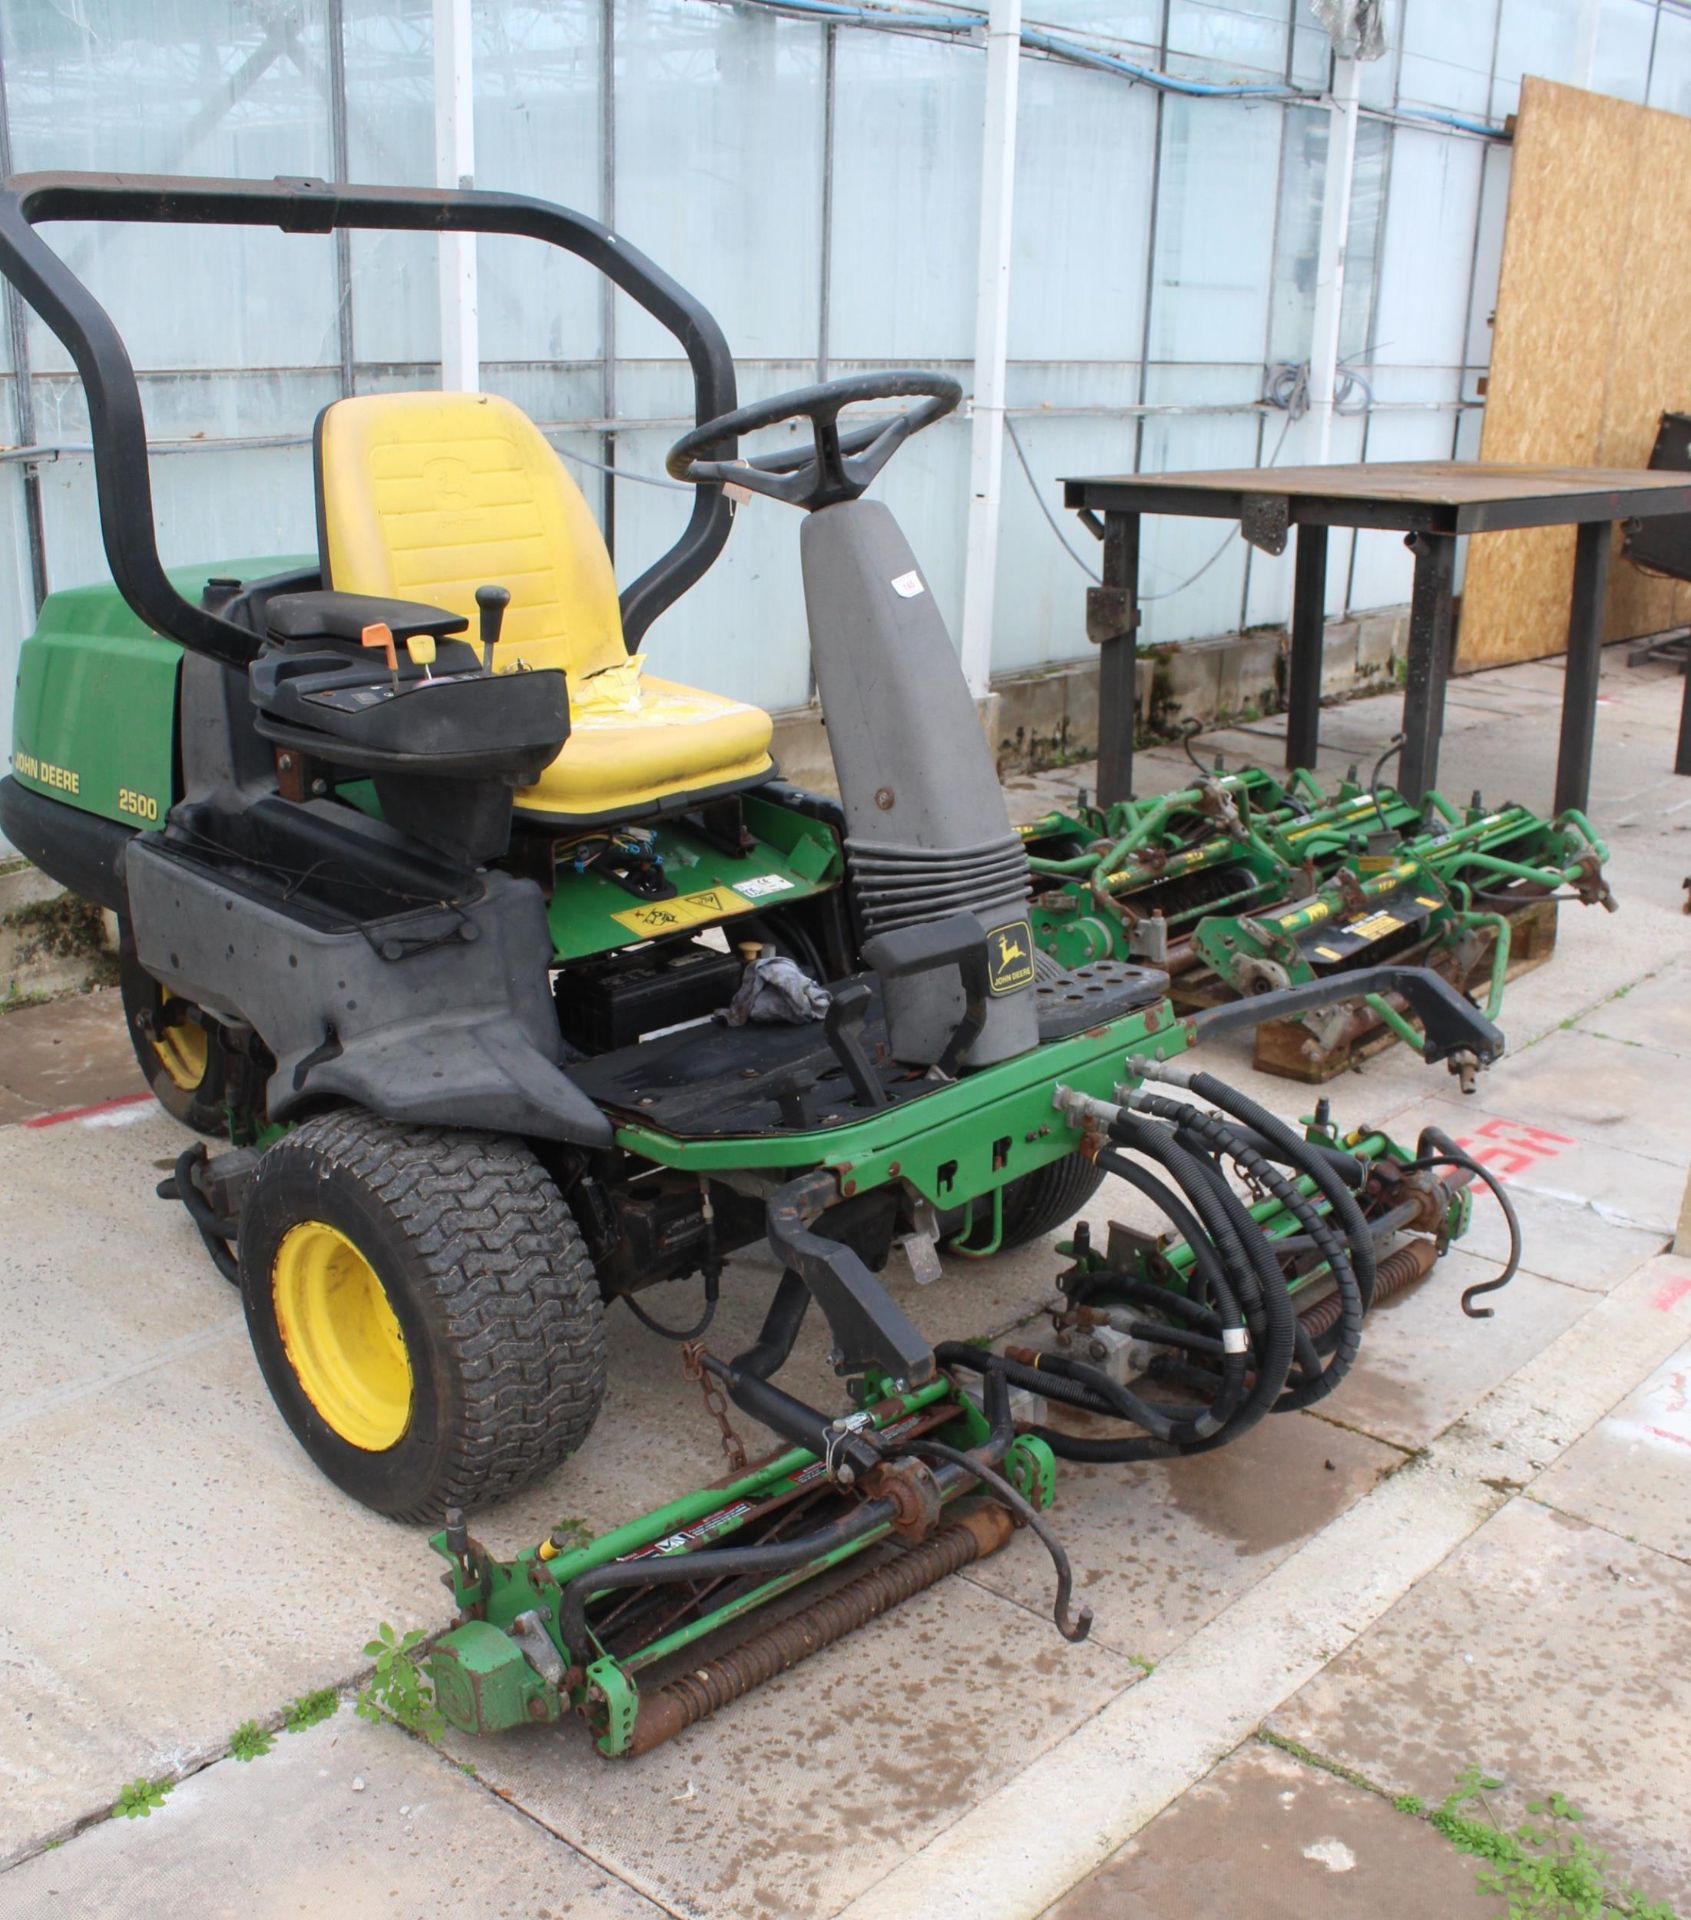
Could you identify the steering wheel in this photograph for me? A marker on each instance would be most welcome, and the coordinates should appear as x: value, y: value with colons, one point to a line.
x: 836, y: 466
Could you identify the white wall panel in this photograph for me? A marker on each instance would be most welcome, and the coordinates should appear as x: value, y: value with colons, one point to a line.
x: 719, y: 169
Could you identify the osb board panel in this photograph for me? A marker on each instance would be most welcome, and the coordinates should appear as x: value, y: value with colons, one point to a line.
x: 1650, y: 362
x: 1592, y: 341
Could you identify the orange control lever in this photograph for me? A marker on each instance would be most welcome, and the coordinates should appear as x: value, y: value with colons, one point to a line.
x: 381, y: 635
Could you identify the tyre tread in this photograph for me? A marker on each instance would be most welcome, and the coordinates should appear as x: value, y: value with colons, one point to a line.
x: 495, y: 1242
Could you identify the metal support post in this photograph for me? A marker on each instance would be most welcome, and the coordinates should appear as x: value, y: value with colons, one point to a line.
x: 1585, y: 664
x: 992, y: 331
x: 1303, y: 669
x: 1330, y: 255
x: 1112, y: 621
x: 338, y: 157
x: 455, y: 166
x: 1682, y: 752
x: 1429, y: 661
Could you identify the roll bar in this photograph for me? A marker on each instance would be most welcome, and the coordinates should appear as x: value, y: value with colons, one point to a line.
x: 302, y: 205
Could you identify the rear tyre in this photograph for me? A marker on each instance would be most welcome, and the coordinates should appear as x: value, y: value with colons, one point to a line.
x: 177, y: 1047
x: 1039, y: 1203
x: 423, y: 1310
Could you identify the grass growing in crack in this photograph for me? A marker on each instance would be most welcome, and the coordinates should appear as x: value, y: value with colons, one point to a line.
x: 1544, y: 1868
x: 399, y: 1689
x: 1337, y: 1768
x: 310, y: 1708
x: 138, y: 1800
x: 250, y: 1741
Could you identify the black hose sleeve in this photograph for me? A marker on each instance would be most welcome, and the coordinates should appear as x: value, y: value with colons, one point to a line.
x: 215, y: 1234
x: 1348, y: 1166
x: 1205, y: 1258
x: 1105, y: 1453
x: 1304, y: 1155
x: 1448, y: 1154
x: 1345, y: 1339
x: 1143, y: 1293
x: 1381, y: 1226
x: 1260, y: 1288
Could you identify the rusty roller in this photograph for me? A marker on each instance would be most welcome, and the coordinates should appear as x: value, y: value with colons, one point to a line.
x: 693, y: 1696
x: 1402, y: 1268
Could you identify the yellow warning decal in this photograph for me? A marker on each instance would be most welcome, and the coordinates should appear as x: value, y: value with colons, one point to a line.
x: 1425, y: 900
x: 1375, y: 927
x: 659, y: 917
x: 1327, y: 953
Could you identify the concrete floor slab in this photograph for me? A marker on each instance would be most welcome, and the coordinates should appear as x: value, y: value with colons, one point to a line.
x: 1562, y: 1239
x: 1632, y: 1472
x: 1613, y: 1093
x: 147, y: 1454
x: 1160, y: 1549
x: 1424, y: 1363
x: 66, y: 1053
x: 344, y: 1818
x: 160, y: 1372
x: 1267, y: 1836
x: 1656, y: 1013
x: 108, y: 1277
x: 824, y: 1779
x: 1549, y: 1652
x: 1545, y: 1157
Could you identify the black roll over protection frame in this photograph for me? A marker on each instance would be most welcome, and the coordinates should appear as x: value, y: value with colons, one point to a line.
x: 301, y: 205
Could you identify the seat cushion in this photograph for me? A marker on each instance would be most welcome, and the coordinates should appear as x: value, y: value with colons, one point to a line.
x: 428, y: 496
x: 676, y: 743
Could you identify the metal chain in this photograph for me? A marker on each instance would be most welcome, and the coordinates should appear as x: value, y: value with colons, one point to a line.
x: 716, y: 1403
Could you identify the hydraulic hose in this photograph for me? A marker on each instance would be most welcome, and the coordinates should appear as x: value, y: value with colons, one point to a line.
x: 1217, y: 1135
x: 1246, y: 1257
x: 1307, y: 1156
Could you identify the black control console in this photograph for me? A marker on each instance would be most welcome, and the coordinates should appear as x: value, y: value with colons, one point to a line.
x: 358, y: 684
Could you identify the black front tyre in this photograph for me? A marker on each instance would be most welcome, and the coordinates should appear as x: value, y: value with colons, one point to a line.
x: 423, y: 1310
x: 1039, y: 1203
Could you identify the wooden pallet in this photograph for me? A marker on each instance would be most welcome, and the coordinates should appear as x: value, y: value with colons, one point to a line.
x: 1287, y: 1048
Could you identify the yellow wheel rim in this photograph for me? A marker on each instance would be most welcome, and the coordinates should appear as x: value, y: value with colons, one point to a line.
x: 183, y: 1048
x: 341, y: 1337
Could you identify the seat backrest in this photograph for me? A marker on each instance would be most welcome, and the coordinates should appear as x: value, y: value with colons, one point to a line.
x: 427, y: 496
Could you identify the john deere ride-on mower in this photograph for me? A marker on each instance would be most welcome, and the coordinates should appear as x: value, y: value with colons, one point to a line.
x: 429, y: 893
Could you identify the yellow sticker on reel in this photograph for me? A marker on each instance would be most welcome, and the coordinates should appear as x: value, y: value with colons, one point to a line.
x: 1376, y: 927
x: 658, y: 917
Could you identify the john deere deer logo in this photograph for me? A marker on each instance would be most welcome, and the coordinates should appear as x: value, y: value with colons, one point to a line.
x: 1008, y: 962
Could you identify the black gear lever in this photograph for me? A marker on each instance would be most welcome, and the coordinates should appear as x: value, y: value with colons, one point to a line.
x: 492, y: 601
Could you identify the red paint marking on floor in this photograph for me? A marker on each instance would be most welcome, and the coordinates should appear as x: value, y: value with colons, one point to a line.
x: 1672, y: 1293
x: 1508, y: 1147
x: 1661, y: 1433
x: 87, y: 1113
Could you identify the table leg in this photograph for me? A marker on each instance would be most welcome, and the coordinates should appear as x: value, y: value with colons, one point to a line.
x: 1585, y: 663
x: 1303, y: 670
x: 1115, y: 628
x: 1429, y: 662
x: 1682, y: 753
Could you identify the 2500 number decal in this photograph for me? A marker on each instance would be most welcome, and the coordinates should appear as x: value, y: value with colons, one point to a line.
x: 142, y: 805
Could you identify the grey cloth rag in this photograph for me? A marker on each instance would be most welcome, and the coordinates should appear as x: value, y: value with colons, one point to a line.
x: 775, y: 991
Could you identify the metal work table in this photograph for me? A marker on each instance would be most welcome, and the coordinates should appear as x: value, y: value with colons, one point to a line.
x: 1431, y: 503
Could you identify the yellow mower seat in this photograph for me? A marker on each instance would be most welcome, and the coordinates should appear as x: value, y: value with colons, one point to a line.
x: 427, y: 496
